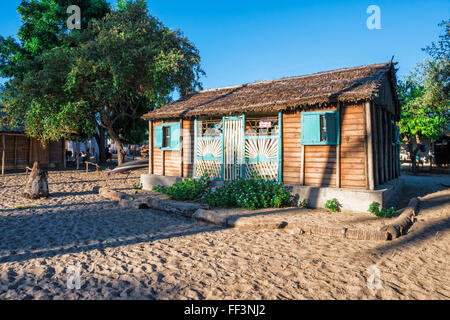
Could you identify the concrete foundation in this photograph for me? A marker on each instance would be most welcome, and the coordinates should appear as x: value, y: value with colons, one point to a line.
x: 355, y: 200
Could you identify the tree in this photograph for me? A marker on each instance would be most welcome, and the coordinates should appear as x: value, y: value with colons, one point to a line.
x: 37, y: 66
x: 424, y: 98
x: 103, y: 78
x: 131, y: 64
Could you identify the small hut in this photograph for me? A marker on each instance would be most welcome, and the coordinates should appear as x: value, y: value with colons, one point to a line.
x: 320, y: 133
x: 19, y: 151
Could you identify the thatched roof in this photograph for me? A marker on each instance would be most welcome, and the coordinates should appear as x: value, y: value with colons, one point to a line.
x: 319, y: 89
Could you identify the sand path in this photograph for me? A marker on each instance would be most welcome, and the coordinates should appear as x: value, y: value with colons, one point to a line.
x: 131, y: 254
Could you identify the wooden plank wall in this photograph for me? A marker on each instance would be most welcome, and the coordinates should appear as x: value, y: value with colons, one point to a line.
x: 321, y: 161
x: 169, y: 163
x: 353, y: 148
x: 17, y: 152
x: 188, y: 148
x: 291, y: 147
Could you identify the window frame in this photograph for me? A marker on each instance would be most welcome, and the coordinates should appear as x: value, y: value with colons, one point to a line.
x: 166, y: 131
x: 327, y: 136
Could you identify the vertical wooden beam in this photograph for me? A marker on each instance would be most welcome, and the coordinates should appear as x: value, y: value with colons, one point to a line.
x: 302, y: 158
x: 15, y: 152
x: 280, y: 145
x: 380, y: 144
x: 3, y: 154
x: 338, y: 148
x: 195, y: 147
x: 30, y: 151
x: 150, y: 147
x: 181, y: 148
x: 386, y: 147
x: 373, y: 117
x: 369, y: 147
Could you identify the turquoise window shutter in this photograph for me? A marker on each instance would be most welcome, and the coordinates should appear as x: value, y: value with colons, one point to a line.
x: 332, y: 127
x: 158, y: 136
x: 310, y: 128
x: 175, y: 136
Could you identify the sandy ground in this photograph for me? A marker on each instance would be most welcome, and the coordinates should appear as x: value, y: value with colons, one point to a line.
x: 133, y: 254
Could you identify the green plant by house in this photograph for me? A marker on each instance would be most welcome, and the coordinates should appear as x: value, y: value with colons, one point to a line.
x: 188, y: 189
x: 302, y: 203
x: 251, y: 194
x: 136, y: 185
x: 374, y: 208
x: 333, y: 205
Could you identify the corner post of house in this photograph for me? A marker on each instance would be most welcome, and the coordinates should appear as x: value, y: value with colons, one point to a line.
x: 150, y: 146
x: 302, y: 157
x: 181, y: 148
x: 369, y: 146
x: 15, y: 152
x: 280, y: 146
x: 338, y: 147
x: 163, y: 160
x: 243, y: 147
x: 195, y: 146
x: 3, y: 154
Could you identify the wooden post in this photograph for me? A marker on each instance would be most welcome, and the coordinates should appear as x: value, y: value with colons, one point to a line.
x: 380, y: 144
x: 369, y: 147
x: 338, y: 149
x: 373, y: 117
x: 15, y: 152
x: 3, y: 154
x: 150, y: 146
x: 181, y: 148
x: 386, y: 147
x: 302, y: 168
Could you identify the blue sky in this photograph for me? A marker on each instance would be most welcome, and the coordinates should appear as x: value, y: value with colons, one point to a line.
x: 246, y: 41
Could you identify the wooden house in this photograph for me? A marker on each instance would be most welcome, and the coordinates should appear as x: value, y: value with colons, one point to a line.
x: 19, y: 151
x: 329, y: 129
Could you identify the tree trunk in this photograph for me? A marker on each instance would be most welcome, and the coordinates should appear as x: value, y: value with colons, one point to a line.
x: 37, y: 184
x: 120, y: 152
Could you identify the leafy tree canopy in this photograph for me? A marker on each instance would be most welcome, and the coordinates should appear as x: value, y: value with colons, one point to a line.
x: 424, y: 96
x: 108, y: 74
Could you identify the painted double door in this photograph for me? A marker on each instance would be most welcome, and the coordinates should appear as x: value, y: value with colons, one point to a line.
x: 234, y: 147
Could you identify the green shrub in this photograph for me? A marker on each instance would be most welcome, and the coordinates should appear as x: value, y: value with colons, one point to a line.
x: 189, y: 189
x: 302, y: 203
x: 333, y: 205
x: 136, y: 185
x: 374, y: 208
x: 251, y: 194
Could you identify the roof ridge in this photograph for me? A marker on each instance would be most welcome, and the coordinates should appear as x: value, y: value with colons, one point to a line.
x: 293, y: 77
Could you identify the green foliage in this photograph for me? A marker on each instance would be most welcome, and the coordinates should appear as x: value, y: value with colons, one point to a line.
x: 250, y: 194
x: 333, y: 205
x: 374, y: 208
x: 118, y: 67
x: 136, y: 185
x: 302, y: 203
x: 188, y: 189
